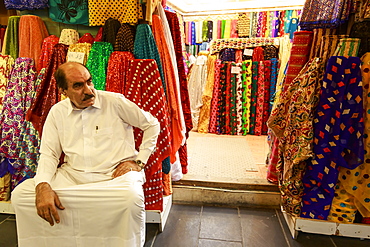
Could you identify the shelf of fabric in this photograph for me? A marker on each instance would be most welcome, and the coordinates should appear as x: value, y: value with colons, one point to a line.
x: 152, y: 216
x: 297, y: 224
x: 240, y: 43
x: 156, y: 216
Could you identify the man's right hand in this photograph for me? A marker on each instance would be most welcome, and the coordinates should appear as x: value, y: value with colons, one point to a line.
x: 47, y: 202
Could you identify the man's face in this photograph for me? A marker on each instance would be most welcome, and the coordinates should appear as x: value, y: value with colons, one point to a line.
x: 80, y: 88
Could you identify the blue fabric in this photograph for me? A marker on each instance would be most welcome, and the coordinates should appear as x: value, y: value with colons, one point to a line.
x: 26, y: 4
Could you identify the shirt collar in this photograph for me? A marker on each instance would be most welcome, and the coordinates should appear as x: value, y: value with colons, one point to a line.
x: 71, y: 107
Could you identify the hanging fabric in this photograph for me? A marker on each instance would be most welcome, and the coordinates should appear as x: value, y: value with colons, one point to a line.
x: 110, y: 30
x: 246, y: 74
x: 69, y: 12
x: 11, y: 45
x: 69, y: 36
x: 254, y: 93
x: 80, y: 48
x: 117, y: 71
x: 46, y: 50
x: 125, y: 38
x: 6, y: 65
x: 25, y: 4
x: 214, y: 114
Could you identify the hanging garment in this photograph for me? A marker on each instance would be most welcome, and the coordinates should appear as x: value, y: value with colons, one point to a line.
x: 11, y: 45
x: 353, y: 186
x: 97, y: 63
x: 25, y: 4
x: 6, y: 65
x: 338, y: 131
x: 69, y: 12
x: 117, y: 71
x: 292, y: 123
x: 69, y: 36
x: 150, y: 7
x: 47, y: 93
x: 32, y: 32
x: 127, y: 11
x: 214, y: 113
x: 125, y: 38
x: 46, y: 50
x: 324, y: 14
x: 144, y: 87
x: 86, y: 38
x: 80, y: 48
x: 110, y: 30
x: 246, y: 75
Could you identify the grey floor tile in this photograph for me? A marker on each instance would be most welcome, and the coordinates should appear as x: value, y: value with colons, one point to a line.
x: 181, y: 229
x: 220, y: 224
x: 150, y: 234
x: 349, y: 242
x: 217, y: 243
x: 261, y: 227
x: 8, y: 233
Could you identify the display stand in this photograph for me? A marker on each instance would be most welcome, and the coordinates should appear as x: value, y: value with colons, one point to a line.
x: 152, y: 216
x: 297, y: 224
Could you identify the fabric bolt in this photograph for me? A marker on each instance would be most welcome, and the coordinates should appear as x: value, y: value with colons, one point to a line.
x: 240, y: 43
x: 32, y: 32
x: 268, y: 24
x: 324, y: 14
x: 99, y: 35
x: 199, y: 32
x: 254, y: 93
x: 125, y: 38
x: 266, y: 101
x: 353, y: 186
x: 11, y: 45
x: 214, y: 113
x: 246, y: 74
x: 171, y: 86
x: 244, y: 25
x: 144, y: 87
x: 287, y: 19
x: 227, y: 29
x: 127, y: 11
x: 26, y: 5
x: 232, y: 110
x: 282, y: 23
x: 110, y: 30
x: 234, y: 27
x: 205, y: 31
x: 186, y: 33
x: 270, y: 52
x: 69, y: 36
x: 260, y: 98
x: 259, y: 24
x: 81, y: 48
x: 292, y: 124
x: 258, y: 54
x: 299, y: 55
x: 117, y: 71
x: 209, y: 31
x: 193, y: 33
x: 15, y: 105
x: 46, y: 50
x: 328, y: 46
x: 338, y: 131
x: 360, y: 30
x: 254, y: 25
x: 348, y: 47
x: 145, y: 47
x: 239, y: 100
x: 204, y: 112
x: 274, y: 69
x: 71, y: 12
x: 5, y: 190
x: 318, y: 33
x: 239, y: 56
x: 97, y: 63
x: 47, y: 93
x: 275, y: 23
x: 263, y: 24
x: 228, y: 54
x: 6, y: 65
x: 221, y: 129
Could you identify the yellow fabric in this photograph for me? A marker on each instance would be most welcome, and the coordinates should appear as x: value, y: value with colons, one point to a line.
x: 80, y: 47
x: 227, y: 31
x: 6, y: 63
x: 127, y: 11
x: 5, y: 187
x: 355, y: 184
x: 150, y: 8
x: 205, y: 110
x: 268, y: 24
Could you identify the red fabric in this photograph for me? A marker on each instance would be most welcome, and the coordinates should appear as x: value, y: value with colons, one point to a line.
x: 239, y: 56
x: 258, y: 54
x: 272, y: 175
x: 266, y: 102
x: 228, y: 96
x: 47, y: 49
x: 47, y: 93
x: 99, y: 35
x: 260, y: 98
x: 171, y: 89
x: 117, y: 71
x: 86, y: 38
x: 144, y: 87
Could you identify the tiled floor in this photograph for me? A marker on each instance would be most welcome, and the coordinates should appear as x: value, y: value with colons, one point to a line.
x: 198, y: 226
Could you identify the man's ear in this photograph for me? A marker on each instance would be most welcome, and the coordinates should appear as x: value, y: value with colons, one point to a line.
x: 62, y: 91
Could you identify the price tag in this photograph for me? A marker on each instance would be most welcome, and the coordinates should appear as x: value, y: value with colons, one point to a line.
x: 235, y: 70
x: 76, y: 57
x: 248, y: 52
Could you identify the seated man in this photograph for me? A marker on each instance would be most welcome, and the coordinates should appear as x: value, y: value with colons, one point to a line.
x: 95, y: 197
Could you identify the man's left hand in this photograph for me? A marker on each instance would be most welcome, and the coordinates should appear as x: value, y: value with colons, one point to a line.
x: 126, y: 167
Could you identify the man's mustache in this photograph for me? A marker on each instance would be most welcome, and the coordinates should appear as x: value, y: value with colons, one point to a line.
x: 88, y: 96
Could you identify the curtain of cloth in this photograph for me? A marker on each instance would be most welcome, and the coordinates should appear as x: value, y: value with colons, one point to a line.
x: 11, y: 46
x: 6, y: 65
x: 144, y: 87
x: 47, y: 93
x: 246, y: 74
x: 32, y: 32
x: 292, y: 123
x: 47, y: 49
x: 214, y: 114
x: 117, y: 71
x: 125, y: 38
x: 97, y: 63
x: 69, y: 12
x: 338, y: 131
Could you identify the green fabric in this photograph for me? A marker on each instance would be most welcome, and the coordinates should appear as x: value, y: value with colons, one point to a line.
x: 246, y: 82
x: 205, y: 31
x: 223, y: 24
x: 11, y: 43
x: 253, y: 97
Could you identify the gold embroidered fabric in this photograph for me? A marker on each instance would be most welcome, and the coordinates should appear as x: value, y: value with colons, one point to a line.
x: 80, y: 47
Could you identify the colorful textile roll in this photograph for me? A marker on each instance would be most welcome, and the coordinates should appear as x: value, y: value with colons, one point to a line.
x: 214, y: 114
x: 125, y: 38
x: 317, y: 39
x: 26, y: 5
x: 254, y: 25
x: 260, y: 98
x: 348, y: 47
x: 239, y: 100
x: 338, y: 131
x: 6, y: 65
x: 11, y: 46
x: 227, y: 30
x: 222, y: 99
x: 233, y: 100
x: 69, y: 12
x: 110, y: 30
x: 47, y: 49
x: 246, y: 75
x: 81, y: 48
x: 69, y: 36
x: 328, y: 46
x: 233, y: 31
x: 254, y: 94
x: 266, y: 102
x: 244, y: 25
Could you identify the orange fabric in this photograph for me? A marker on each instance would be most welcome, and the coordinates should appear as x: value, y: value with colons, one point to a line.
x: 169, y: 75
x: 167, y: 186
x: 32, y: 32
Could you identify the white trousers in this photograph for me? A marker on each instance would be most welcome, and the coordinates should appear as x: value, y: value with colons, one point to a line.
x: 109, y: 213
